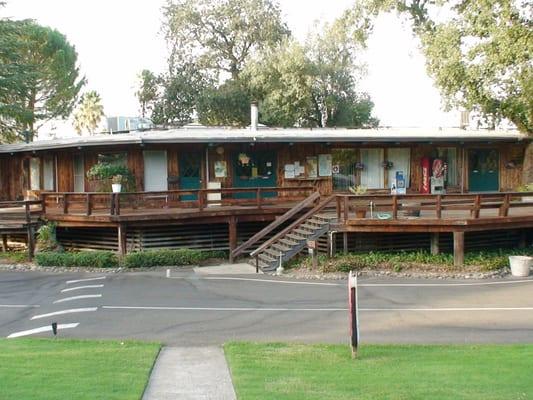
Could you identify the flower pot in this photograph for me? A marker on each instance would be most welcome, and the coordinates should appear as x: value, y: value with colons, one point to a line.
x: 117, y: 187
x: 520, y: 265
x: 360, y: 212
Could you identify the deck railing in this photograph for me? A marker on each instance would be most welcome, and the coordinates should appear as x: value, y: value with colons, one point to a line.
x: 115, y: 204
x: 444, y: 206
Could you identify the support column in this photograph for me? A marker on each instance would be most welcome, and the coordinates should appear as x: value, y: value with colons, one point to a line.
x: 121, y: 231
x: 458, y: 249
x: 434, y: 243
x: 5, y: 248
x: 31, y: 242
x: 232, y: 237
x: 522, y: 242
x: 345, y: 242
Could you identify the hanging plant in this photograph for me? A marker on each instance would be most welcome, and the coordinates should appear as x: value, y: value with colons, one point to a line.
x: 359, y: 165
x: 243, y: 159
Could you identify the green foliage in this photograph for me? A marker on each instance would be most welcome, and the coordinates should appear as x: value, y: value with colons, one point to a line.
x: 485, y: 260
x: 15, y: 257
x: 39, y: 79
x: 89, y: 113
x: 163, y: 258
x: 46, y: 237
x: 147, y: 93
x: 220, y: 35
x: 227, y: 105
x: 96, y: 259
x: 108, y: 171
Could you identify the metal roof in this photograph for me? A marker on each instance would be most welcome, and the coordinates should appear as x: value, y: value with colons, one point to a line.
x: 270, y: 135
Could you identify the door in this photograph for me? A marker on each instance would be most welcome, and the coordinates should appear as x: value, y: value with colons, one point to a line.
x: 483, y: 170
x: 190, y: 173
x: 254, y: 169
x: 155, y: 170
x: 344, y: 168
x: 372, y: 175
x: 401, y: 162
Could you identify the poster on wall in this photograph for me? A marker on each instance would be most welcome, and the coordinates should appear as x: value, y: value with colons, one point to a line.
x: 289, y: 171
x: 324, y: 165
x: 220, y: 169
x: 311, y: 165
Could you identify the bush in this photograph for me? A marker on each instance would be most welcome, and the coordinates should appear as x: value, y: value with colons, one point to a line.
x: 46, y: 237
x: 97, y: 259
x: 164, y: 258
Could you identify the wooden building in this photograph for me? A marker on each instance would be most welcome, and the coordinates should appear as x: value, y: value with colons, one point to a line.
x: 217, y: 187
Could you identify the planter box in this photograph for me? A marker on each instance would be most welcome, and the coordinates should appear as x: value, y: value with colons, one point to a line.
x: 520, y: 265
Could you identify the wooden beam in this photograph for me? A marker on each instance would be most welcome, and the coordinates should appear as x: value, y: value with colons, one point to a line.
x: 232, y: 222
x: 5, y: 247
x: 434, y: 243
x: 345, y: 242
x: 458, y: 248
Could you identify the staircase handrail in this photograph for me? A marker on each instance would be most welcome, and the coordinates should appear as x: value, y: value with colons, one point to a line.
x: 308, y: 201
x: 282, y: 233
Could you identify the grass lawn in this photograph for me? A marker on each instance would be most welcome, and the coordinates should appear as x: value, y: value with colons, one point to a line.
x: 288, y: 371
x: 74, y: 369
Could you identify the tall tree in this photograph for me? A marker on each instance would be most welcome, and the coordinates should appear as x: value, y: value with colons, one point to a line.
x: 147, y: 93
x: 220, y: 35
x: 89, y: 113
x: 51, y: 81
x: 480, y: 55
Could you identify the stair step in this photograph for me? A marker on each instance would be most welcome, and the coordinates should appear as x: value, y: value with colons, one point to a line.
x: 295, y: 237
x: 266, y: 258
x: 272, y: 252
x: 324, y: 217
x: 281, y: 247
x: 315, y: 222
x: 287, y: 242
x: 310, y: 227
x: 302, y: 232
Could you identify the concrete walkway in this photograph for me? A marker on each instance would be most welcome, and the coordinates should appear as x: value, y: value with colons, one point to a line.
x: 190, y: 373
x: 227, y: 269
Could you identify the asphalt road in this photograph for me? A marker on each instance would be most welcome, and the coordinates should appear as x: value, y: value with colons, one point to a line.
x: 190, y: 309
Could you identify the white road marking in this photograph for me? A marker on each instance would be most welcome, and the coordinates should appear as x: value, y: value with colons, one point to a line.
x: 161, y: 308
x: 70, y: 311
x: 19, y: 306
x: 85, y: 296
x: 86, y: 280
x: 218, y: 308
x: 47, y: 328
x: 82, y: 287
x: 361, y: 284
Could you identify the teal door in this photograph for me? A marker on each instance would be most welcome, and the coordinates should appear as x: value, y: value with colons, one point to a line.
x: 190, y: 173
x: 483, y: 170
x: 254, y: 169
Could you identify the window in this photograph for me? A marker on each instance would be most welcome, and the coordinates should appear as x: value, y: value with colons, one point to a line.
x: 35, y: 173
x: 372, y: 175
x: 449, y: 156
x: 114, y: 158
x: 79, y: 173
x: 48, y: 173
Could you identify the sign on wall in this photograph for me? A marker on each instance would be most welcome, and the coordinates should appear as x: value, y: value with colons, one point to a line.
x: 324, y: 165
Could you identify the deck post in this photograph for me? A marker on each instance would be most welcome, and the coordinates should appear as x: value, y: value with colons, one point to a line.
x: 345, y: 242
x: 434, y: 243
x: 5, y: 248
x: 121, y: 232
x: 458, y: 248
x: 232, y: 222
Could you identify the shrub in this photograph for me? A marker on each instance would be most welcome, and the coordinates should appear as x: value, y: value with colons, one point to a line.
x: 164, y: 258
x: 46, y: 237
x: 97, y: 259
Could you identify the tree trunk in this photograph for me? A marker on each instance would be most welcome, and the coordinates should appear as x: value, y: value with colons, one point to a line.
x: 527, y: 172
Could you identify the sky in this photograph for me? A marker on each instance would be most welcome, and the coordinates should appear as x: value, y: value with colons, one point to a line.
x: 116, y: 39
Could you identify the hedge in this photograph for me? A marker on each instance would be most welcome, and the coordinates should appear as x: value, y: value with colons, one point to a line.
x: 97, y: 259
x: 164, y: 258
x: 141, y: 259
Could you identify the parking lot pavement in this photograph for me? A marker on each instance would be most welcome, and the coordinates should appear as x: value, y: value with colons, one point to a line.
x: 184, y: 308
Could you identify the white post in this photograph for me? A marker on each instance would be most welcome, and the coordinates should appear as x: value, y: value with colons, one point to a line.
x: 254, y: 116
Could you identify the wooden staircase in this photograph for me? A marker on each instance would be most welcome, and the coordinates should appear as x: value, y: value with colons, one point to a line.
x: 293, y: 238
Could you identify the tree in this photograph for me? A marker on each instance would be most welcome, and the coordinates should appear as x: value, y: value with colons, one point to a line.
x: 89, y: 113
x: 147, y: 93
x: 44, y: 78
x: 220, y: 35
x: 479, y: 53
x: 227, y: 105
x: 179, y: 93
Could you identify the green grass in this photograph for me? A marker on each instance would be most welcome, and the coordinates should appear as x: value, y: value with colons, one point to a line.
x: 392, y: 372
x: 15, y: 257
x: 48, y: 369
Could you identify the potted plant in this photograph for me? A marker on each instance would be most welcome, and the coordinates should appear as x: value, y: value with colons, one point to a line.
x: 526, y: 188
x: 520, y: 265
x: 116, y: 183
x: 360, y: 206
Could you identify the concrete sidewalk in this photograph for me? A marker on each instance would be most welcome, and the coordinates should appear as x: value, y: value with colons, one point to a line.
x: 190, y: 373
